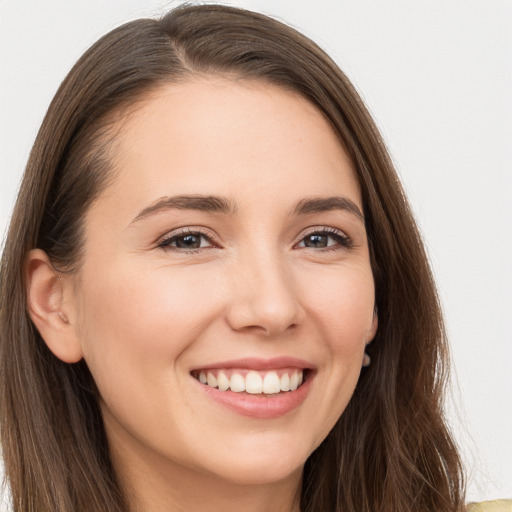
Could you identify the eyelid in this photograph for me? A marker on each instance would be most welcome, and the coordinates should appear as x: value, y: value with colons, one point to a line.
x: 164, y: 240
x: 328, y: 230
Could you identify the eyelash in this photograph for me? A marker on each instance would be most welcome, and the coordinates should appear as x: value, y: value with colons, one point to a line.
x: 342, y: 240
x: 166, y: 242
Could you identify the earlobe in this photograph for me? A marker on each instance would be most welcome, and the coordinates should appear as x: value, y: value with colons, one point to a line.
x: 49, y: 308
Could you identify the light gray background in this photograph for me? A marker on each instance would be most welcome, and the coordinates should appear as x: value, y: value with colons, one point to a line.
x: 437, y: 76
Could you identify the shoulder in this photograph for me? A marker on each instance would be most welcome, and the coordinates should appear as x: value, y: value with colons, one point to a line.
x: 491, y: 506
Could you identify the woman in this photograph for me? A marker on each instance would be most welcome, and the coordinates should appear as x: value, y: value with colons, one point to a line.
x: 213, y: 293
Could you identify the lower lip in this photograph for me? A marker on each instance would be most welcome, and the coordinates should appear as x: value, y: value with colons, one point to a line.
x: 260, y: 406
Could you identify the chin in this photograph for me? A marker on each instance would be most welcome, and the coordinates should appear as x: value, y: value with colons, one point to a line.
x: 254, y: 473
x: 261, y: 463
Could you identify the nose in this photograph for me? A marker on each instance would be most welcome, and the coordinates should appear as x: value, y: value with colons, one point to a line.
x: 265, y: 299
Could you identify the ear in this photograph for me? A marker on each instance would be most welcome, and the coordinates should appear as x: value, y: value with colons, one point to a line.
x: 49, y: 306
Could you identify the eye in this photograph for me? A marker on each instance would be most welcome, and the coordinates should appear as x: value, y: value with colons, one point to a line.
x: 325, y: 239
x: 186, y: 241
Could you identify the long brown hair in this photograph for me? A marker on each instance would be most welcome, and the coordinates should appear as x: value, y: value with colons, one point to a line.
x: 390, y: 451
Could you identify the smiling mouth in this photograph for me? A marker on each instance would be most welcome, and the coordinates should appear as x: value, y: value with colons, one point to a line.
x: 253, y: 382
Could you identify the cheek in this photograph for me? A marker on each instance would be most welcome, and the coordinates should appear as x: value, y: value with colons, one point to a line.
x: 342, y: 302
x: 137, y: 318
x: 340, y: 307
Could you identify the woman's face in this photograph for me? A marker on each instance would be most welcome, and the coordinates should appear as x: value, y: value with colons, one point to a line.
x: 229, y: 246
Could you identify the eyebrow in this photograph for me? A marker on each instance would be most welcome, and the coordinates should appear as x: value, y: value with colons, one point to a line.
x: 222, y: 205
x: 191, y: 202
x: 324, y: 204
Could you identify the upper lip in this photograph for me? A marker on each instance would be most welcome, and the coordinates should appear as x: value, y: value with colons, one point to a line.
x: 256, y: 363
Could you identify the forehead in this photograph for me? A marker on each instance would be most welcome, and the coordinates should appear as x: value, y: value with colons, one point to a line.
x: 219, y: 136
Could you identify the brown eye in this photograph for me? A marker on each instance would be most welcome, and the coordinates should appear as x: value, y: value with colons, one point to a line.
x: 186, y: 241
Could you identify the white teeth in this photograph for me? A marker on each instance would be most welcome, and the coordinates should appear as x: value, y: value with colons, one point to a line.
x: 285, y: 382
x: 222, y: 381
x: 212, y: 381
x: 271, y: 383
x: 253, y: 383
x: 237, y: 383
x: 294, y: 381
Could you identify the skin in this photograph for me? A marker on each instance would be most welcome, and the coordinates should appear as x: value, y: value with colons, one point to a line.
x: 143, y: 315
